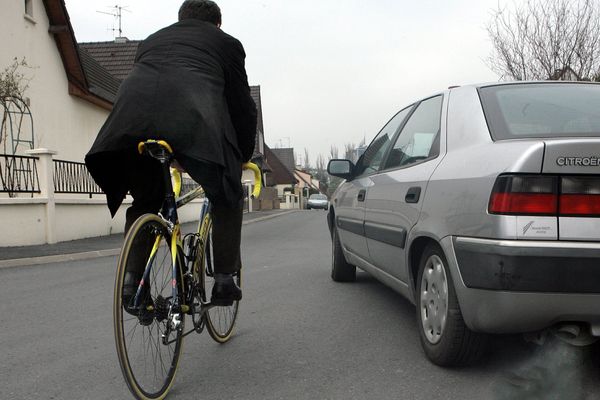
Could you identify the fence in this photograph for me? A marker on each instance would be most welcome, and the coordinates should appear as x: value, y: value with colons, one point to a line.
x: 74, y: 178
x: 18, y: 174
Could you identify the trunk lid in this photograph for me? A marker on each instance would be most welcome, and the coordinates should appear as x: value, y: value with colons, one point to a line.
x: 576, y: 160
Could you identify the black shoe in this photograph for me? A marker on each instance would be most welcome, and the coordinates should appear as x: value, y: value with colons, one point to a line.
x: 224, y: 294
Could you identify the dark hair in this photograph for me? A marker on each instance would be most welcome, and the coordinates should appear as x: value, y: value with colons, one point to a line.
x: 204, y: 10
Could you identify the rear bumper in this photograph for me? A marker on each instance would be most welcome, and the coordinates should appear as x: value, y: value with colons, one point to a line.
x: 523, y: 266
x: 506, y: 286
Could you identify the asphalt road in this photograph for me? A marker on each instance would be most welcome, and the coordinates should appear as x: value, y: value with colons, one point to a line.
x: 299, y: 336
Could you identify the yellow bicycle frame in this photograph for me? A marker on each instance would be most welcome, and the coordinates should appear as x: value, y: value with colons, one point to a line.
x: 176, y: 241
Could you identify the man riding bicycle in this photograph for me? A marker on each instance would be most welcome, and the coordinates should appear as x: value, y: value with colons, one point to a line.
x: 188, y: 87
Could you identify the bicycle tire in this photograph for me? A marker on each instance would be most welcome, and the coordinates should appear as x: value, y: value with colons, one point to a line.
x: 139, y: 356
x: 220, y: 321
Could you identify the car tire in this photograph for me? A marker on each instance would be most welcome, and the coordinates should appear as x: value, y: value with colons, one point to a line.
x: 445, y: 338
x: 341, y: 271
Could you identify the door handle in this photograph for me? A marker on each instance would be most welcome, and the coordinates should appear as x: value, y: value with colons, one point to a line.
x: 413, y: 195
x: 361, y: 195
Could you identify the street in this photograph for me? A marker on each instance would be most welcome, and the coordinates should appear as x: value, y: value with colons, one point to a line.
x: 299, y: 336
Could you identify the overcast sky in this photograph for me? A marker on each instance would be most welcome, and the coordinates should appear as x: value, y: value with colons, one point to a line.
x: 331, y: 72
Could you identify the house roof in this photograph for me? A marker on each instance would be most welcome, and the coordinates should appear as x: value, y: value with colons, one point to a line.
x: 255, y: 93
x: 116, y: 57
x: 60, y: 27
x: 286, y: 155
x: 100, y: 81
x: 300, y: 174
x: 279, y: 175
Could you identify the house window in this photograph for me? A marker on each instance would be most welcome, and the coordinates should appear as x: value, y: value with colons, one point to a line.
x: 29, y: 8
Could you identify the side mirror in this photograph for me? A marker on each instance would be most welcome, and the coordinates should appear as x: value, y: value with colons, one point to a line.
x: 341, y: 168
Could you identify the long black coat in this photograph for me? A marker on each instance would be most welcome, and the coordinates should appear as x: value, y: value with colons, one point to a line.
x: 189, y: 87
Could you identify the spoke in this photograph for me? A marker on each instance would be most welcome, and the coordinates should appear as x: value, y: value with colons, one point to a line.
x: 162, y: 363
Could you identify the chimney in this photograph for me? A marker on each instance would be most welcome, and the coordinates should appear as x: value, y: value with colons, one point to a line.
x: 121, y: 39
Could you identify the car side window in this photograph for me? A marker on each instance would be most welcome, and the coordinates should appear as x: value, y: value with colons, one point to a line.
x: 372, y: 158
x: 420, y: 137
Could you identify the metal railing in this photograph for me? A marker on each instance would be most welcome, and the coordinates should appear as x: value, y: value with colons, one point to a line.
x: 187, y: 185
x: 73, y: 178
x: 18, y: 174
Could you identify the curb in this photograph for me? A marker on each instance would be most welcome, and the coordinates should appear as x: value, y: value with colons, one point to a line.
x: 21, y: 262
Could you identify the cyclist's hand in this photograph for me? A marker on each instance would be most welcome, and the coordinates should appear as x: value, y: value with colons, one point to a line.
x: 177, y: 166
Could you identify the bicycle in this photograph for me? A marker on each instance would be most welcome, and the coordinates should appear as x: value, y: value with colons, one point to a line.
x: 176, y: 282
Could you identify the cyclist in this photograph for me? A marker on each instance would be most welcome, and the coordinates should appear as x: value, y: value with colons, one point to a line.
x: 188, y: 87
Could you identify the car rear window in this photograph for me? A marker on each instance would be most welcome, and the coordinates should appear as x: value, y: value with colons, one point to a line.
x: 318, y: 197
x: 542, y: 110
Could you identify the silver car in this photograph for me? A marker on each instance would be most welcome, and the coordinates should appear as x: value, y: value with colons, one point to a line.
x: 316, y: 201
x: 481, y: 205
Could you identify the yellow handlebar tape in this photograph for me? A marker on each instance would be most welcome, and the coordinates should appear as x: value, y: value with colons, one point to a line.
x: 176, y: 181
x: 257, y: 178
x: 166, y: 145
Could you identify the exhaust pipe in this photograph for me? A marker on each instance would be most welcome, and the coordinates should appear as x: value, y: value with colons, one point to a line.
x: 576, y: 334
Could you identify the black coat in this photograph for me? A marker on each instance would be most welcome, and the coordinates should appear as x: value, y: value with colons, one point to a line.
x: 189, y: 87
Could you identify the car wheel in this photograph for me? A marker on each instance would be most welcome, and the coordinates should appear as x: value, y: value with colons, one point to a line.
x: 341, y: 271
x: 445, y: 338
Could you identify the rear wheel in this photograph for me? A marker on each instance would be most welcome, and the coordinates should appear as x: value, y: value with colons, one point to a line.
x: 341, y: 270
x: 148, y: 336
x: 220, y: 320
x: 445, y: 338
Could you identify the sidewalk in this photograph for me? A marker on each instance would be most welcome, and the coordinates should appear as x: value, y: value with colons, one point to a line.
x: 101, y: 246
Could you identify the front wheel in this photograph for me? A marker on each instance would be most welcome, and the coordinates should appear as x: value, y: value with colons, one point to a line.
x: 149, y: 335
x: 341, y: 270
x: 445, y: 338
x: 220, y: 320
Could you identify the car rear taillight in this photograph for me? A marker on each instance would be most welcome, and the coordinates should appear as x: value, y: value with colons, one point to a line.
x: 524, y: 195
x: 568, y: 196
x: 580, y: 196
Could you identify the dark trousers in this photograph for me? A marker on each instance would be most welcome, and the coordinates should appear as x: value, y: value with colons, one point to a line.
x: 148, y: 192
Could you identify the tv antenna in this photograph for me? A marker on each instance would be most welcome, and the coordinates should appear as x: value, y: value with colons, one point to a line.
x: 117, y: 13
x: 289, y: 144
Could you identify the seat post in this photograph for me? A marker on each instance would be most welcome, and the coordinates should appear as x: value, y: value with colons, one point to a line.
x: 169, y: 208
x: 161, y: 151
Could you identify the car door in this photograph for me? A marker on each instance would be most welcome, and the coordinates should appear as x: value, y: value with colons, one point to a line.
x: 349, y: 201
x: 394, y: 197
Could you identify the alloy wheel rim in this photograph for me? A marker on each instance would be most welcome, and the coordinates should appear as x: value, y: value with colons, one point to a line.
x: 434, y: 299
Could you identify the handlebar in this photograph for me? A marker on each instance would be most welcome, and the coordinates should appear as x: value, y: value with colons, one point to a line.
x: 249, y: 165
x: 257, y: 178
x: 161, y: 149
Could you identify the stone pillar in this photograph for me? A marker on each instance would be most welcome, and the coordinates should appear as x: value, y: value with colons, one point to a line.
x: 45, y: 170
x: 249, y: 187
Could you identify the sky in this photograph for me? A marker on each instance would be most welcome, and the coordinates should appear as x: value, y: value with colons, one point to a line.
x: 331, y: 72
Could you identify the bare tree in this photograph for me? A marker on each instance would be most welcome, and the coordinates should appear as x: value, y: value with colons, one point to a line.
x: 306, y: 159
x: 542, y: 38
x: 333, y: 152
x: 349, y: 151
x: 13, y: 82
x: 321, y: 169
